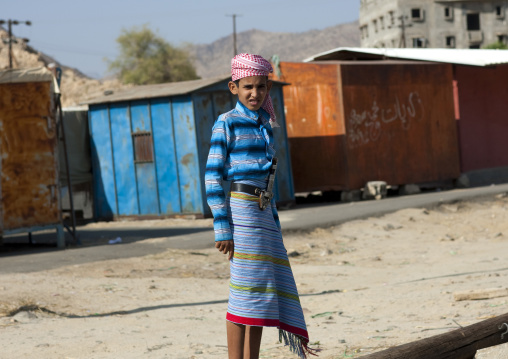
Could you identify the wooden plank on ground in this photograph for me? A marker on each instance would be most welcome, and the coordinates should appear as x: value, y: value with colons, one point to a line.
x: 481, y: 294
x: 458, y: 344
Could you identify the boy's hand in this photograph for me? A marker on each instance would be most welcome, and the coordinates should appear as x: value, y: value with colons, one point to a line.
x: 226, y: 247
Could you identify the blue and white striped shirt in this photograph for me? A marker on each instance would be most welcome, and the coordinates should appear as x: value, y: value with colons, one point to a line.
x: 241, y: 148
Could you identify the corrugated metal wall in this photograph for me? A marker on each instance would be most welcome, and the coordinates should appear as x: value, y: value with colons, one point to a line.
x: 179, y: 129
x: 166, y: 184
x: 284, y: 187
x: 207, y: 108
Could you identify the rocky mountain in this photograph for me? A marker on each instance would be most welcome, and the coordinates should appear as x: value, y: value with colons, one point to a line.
x: 75, y: 87
x: 214, y: 59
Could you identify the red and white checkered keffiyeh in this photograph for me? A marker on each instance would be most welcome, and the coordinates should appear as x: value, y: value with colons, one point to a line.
x: 246, y: 65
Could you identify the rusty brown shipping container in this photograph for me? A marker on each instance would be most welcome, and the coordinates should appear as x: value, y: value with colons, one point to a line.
x: 353, y: 122
x: 482, y: 100
x: 29, y: 166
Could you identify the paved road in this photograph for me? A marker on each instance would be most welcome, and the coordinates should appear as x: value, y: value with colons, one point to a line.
x: 25, y: 258
x: 327, y: 215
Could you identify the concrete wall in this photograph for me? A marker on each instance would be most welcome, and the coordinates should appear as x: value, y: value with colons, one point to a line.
x: 378, y: 29
x: 384, y: 15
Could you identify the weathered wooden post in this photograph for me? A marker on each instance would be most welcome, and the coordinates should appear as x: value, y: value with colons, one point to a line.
x: 458, y: 344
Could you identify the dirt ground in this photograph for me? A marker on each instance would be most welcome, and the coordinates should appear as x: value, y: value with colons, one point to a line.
x: 365, y: 285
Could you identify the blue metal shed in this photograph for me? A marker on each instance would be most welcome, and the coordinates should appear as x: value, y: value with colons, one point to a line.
x: 150, y: 145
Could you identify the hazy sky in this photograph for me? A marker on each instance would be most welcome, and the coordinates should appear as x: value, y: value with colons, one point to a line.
x: 82, y: 33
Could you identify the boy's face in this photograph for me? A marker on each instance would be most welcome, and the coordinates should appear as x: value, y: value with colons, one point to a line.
x: 251, y: 91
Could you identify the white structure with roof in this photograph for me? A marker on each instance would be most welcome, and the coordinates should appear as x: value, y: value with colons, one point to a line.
x: 453, y: 56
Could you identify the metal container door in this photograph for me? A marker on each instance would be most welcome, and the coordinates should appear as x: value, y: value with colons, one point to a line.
x: 29, y: 156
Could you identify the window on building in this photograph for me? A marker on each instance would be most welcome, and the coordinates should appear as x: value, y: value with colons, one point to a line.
x: 143, y: 148
x: 394, y: 43
x: 500, y: 12
x: 502, y: 38
x: 392, y: 18
x: 448, y: 13
x: 382, y: 22
x: 473, y: 22
x: 364, y: 32
x: 417, y: 14
x: 419, y: 42
x: 374, y: 23
x: 474, y: 46
x: 450, y: 41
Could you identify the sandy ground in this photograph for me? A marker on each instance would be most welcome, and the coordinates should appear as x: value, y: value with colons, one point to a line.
x: 365, y: 285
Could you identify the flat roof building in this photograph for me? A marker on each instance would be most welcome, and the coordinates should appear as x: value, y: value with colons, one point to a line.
x: 433, y: 23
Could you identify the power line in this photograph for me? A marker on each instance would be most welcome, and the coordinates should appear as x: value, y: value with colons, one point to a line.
x: 11, y: 22
x: 234, y: 33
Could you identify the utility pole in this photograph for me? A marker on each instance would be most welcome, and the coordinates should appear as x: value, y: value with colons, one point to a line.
x: 234, y: 32
x: 11, y: 40
x: 403, y: 26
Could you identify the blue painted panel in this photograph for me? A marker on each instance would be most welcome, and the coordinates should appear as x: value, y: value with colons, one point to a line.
x: 147, y: 188
x: 145, y: 172
x: 220, y: 86
x: 187, y: 155
x: 284, y: 184
x: 102, y: 162
x: 140, y: 116
x: 223, y: 101
x: 205, y: 118
x: 165, y: 156
x: 123, y: 156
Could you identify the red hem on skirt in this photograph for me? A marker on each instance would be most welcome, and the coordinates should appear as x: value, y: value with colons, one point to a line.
x: 258, y: 322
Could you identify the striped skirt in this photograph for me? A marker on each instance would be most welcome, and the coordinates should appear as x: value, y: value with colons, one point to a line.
x: 262, y: 288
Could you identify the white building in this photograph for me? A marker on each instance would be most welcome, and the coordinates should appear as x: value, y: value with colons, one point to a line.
x: 433, y: 23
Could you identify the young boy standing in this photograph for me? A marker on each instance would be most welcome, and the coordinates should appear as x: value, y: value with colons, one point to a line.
x: 262, y: 288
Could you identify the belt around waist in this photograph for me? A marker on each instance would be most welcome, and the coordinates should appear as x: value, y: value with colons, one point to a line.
x: 245, y: 188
